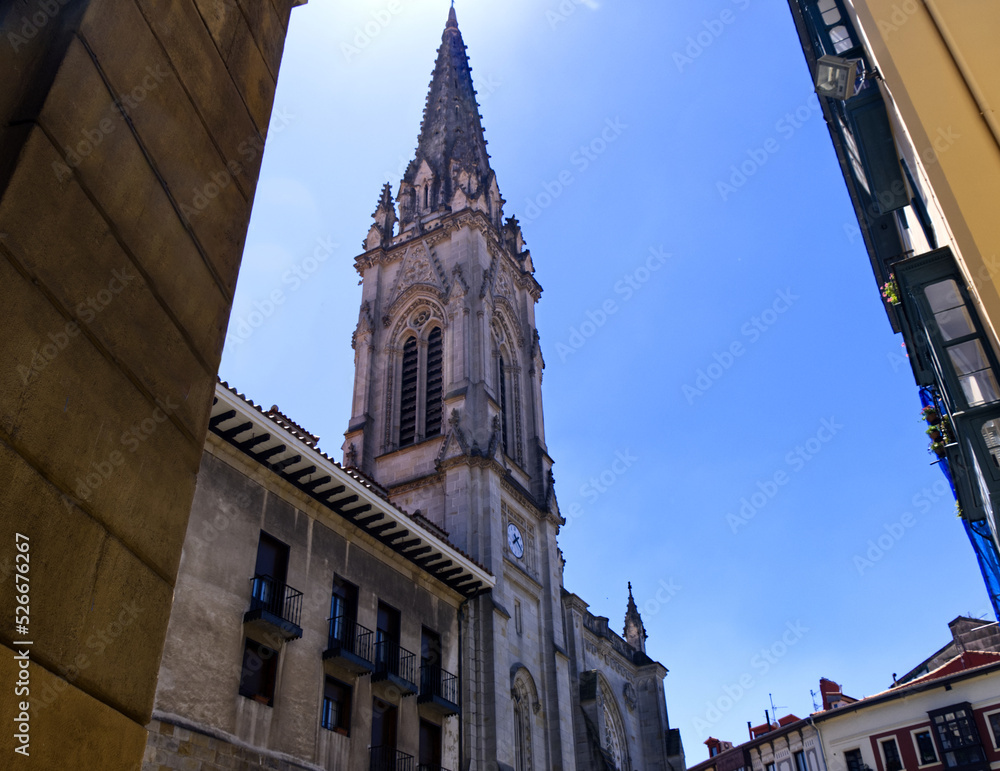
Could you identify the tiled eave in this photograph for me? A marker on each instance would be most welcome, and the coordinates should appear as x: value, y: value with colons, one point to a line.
x: 242, y: 424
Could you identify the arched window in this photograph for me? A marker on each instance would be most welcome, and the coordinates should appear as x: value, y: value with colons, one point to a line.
x: 435, y: 378
x: 525, y: 700
x: 408, y: 394
x: 417, y: 398
x: 504, y: 414
x: 520, y: 750
x: 613, y: 738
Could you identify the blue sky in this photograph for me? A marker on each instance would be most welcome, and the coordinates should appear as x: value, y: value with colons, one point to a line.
x: 709, y: 320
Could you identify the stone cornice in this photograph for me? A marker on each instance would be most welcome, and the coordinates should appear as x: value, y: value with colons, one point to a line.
x: 476, y: 461
x: 447, y: 225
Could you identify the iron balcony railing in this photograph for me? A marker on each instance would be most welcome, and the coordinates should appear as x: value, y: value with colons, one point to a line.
x: 391, y: 659
x: 276, y: 598
x: 430, y: 767
x: 348, y: 636
x: 437, y: 682
x: 389, y: 759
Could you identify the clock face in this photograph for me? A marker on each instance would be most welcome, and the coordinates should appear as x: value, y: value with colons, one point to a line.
x: 515, y: 541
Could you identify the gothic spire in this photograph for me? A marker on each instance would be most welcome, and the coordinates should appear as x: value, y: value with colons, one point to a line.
x: 635, y: 632
x: 451, y: 139
x: 380, y: 233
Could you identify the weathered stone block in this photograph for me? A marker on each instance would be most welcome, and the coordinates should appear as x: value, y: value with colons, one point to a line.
x: 173, y: 135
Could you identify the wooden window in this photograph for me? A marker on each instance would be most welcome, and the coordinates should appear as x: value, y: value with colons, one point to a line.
x: 958, y: 737
x: 853, y: 760
x: 430, y: 746
x: 994, y: 721
x: 270, y: 571
x: 343, y: 610
x: 800, y: 762
x: 336, y: 714
x: 891, y: 754
x: 925, y: 747
x: 387, y: 639
x: 257, y: 678
x: 383, y: 743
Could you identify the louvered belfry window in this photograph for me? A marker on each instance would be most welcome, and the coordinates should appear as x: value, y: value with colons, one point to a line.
x: 408, y: 395
x: 435, y: 358
x: 503, y: 406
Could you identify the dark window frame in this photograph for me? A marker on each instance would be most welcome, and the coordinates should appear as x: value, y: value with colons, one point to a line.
x: 854, y: 760
x: 434, y: 383
x: 893, y: 760
x: 259, y: 681
x: 340, y: 693
x: 821, y: 29
x: 993, y: 721
x: 409, y: 380
x: 923, y: 756
x: 958, y: 722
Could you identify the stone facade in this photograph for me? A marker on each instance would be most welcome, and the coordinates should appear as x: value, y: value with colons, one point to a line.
x: 262, y: 479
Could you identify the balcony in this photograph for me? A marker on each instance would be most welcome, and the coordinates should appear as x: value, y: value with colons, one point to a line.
x: 395, y: 664
x: 350, y: 645
x: 438, y: 690
x: 276, y: 605
x: 389, y: 759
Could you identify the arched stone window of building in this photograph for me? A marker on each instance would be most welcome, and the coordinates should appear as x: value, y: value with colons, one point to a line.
x: 415, y: 399
x: 613, y: 735
x: 502, y: 376
x: 507, y: 391
x: 525, y: 702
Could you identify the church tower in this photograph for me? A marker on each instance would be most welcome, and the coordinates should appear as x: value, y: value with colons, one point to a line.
x: 447, y: 414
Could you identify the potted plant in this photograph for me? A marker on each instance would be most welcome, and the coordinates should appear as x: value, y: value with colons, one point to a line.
x: 938, y: 449
x: 931, y: 414
x: 946, y: 433
x: 890, y: 291
x: 934, y: 432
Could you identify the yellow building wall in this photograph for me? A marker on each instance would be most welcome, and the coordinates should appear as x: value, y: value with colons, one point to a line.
x: 940, y: 61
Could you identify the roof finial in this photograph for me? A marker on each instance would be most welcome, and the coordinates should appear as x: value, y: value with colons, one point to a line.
x: 452, y: 19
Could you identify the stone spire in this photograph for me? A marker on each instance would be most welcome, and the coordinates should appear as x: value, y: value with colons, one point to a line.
x: 380, y: 233
x: 635, y: 632
x: 451, y: 168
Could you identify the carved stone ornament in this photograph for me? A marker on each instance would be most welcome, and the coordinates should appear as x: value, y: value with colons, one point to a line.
x: 631, y: 697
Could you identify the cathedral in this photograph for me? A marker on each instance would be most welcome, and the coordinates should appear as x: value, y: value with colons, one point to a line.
x: 405, y: 608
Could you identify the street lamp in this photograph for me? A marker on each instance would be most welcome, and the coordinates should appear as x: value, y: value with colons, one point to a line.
x: 837, y: 78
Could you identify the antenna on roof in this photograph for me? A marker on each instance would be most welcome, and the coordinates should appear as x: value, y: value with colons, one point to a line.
x: 774, y: 710
x: 815, y: 705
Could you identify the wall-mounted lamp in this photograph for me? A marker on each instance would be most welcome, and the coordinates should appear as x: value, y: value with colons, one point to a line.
x: 838, y: 78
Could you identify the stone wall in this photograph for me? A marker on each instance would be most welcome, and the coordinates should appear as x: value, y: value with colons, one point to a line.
x: 131, y: 134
